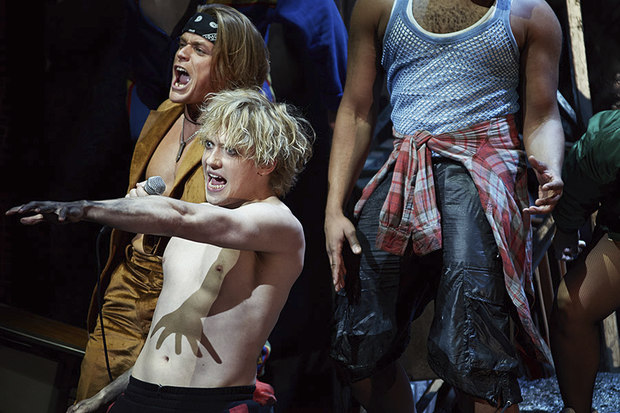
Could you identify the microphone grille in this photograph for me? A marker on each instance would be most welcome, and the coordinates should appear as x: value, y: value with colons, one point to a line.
x: 155, y: 185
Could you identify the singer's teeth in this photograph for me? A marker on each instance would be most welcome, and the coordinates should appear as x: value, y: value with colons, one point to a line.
x: 216, y: 182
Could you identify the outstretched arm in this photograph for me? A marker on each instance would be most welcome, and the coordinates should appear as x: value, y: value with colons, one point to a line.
x: 104, y: 396
x: 259, y: 226
x: 543, y: 135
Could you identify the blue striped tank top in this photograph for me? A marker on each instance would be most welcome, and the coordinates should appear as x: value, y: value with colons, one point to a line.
x: 451, y: 81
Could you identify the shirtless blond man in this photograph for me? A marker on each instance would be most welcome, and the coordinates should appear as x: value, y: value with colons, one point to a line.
x: 228, y: 267
x: 446, y: 218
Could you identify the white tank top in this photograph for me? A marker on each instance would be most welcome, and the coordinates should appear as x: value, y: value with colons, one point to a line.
x: 447, y: 82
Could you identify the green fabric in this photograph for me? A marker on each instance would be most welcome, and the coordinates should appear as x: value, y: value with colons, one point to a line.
x: 591, y: 176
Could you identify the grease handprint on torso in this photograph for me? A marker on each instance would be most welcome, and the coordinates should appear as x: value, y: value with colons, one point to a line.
x: 186, y: 320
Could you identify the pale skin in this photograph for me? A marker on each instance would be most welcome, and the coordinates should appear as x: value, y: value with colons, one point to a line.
x: 227, y: 273
x: 538, y: 36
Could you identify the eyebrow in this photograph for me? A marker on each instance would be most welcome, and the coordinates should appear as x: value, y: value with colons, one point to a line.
x: 199, y: 42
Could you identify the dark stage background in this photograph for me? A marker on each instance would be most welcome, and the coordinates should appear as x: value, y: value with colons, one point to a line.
x: 64, y: 70
x: 64, y: 134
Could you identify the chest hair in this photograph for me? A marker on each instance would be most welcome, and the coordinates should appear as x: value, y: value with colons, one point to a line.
x: 447, y: 16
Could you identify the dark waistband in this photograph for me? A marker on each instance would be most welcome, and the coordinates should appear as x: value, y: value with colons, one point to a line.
x: 221, y: 393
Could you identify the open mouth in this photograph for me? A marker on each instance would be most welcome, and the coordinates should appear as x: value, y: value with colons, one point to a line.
x: 181, y: 77
x: 216, y: 182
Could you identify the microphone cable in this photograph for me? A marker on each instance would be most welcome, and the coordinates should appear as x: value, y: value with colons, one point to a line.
x: 102, y: 231
x: 154, y: 185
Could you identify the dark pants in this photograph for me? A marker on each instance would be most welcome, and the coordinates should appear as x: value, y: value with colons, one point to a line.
x: 142, y: 397
x: 469, y: 345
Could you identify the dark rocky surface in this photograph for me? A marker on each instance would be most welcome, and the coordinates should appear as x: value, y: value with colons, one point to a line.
x: 543, y: 395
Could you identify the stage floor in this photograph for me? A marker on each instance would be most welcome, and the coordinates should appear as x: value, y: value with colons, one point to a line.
x: 543, y: 395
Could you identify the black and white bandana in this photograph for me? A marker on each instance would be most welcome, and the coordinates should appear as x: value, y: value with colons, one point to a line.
x: 203, y: 25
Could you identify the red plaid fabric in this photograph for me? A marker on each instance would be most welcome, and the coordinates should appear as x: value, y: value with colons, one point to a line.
x: 491, y: 153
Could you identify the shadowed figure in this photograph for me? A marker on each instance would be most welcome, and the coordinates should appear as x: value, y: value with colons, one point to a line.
x: 177, y: 323
x: 228, y: 265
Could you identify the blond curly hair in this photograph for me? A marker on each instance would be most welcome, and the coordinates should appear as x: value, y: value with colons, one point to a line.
x: 265, y: 132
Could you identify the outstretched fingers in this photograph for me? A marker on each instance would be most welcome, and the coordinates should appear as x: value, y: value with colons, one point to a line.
x: 545, y: 202
x: 34, y: 207
x: 14, y: 210
x: 550, y: 188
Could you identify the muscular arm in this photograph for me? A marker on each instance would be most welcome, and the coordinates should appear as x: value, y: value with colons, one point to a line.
x: 543, y: 135
x: 259, y: 226
x: 353, y: 131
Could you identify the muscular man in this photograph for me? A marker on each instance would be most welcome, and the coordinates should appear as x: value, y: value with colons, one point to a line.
x: 219, y: 49
x: 447, y: 216
x: 590, y: 290
x: 228, y: 267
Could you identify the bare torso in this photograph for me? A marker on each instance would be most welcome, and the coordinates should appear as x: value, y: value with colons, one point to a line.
x: 163, y: 162
x: 209, y: 335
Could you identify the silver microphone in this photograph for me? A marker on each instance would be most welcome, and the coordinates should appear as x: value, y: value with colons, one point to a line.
x: 155, y: 185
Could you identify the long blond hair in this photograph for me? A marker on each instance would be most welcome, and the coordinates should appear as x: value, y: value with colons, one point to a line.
x: 240, y: 57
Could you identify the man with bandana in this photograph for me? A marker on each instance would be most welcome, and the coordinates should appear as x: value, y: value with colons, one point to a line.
x: 219, y: 49
x: 447, y: 216
x: 307, y: 42
x: 228, y: 266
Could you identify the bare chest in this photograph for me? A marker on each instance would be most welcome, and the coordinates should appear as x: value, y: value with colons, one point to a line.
x: 196, y: 272
x: 170, y: 153
x: 448, y: 16
x: 189, y: 263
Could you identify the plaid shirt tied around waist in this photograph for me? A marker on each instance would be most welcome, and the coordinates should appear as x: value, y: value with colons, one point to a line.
x: 491, y: 153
